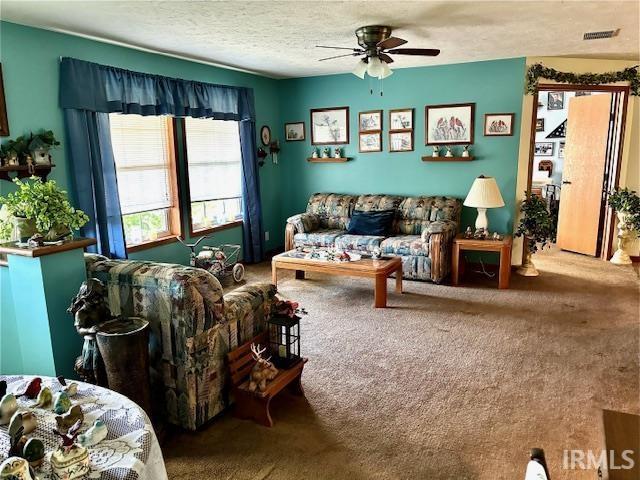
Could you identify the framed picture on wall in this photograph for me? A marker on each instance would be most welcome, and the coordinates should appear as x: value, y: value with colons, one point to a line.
x: 4, y: 121
x: 555, y: 100
x: 540, y: 125
x: 449, y: 124
x: 294, y: 132
x: 401, y: 119
x: 330, y: 126
x: 370, y: 121
x: 401, y: 141
x: 498, y: 124
x: 370, y: 142
x: 543, y: 149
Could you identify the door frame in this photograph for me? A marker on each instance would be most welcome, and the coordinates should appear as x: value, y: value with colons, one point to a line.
x: 607, y: 221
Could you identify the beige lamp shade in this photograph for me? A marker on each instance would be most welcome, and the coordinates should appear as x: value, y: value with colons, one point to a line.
x: 484, y: 193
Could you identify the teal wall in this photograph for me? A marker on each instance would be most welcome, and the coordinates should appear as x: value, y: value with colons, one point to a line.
x: 30, y: 67
x: 494, y: 86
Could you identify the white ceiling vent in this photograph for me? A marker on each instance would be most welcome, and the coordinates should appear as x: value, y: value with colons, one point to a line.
x: 600, y: 35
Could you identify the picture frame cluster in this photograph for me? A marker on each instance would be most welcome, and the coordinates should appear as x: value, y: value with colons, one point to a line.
x: 401, y: 122
x: 370, y: 131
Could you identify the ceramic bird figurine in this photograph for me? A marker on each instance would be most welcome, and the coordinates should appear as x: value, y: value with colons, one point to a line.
x: 45, y: 397
x: 8, y: 406
x: 69, y: 419
x: 3, y: 388
x: 68, y: 438
x: 15, y: 424
x: 29, y: 421
x: 33, y: 452
x: 94, y: 435
x: 16, y: 468
x: 16, y: 440
x: 71, y: 389
x: 70, y: 460
x: 33, y: 388
x: 61, y: 403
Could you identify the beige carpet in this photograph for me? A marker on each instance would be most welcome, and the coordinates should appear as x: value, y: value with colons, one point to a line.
x: 455, y: 383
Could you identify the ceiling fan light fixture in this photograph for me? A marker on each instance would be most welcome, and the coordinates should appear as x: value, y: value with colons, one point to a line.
x: 361, y: 69
x: 386, y: 71
x: 374, y: 69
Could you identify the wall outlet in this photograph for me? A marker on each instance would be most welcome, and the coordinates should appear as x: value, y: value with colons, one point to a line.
x: 266, y: 236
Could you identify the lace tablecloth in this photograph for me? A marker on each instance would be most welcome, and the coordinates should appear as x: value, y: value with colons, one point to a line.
x: 130, y: 451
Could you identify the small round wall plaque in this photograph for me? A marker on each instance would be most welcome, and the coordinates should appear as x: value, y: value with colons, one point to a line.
x: 265, y: 135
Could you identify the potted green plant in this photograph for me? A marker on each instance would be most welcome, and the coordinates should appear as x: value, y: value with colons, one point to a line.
x: 537, y: 228
x: 626, y: 204
x: 40, y: 207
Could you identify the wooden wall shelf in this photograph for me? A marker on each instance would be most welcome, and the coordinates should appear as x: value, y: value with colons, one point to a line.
x: 22, y: 171
x: 328, y: 160
x: 447, y: 159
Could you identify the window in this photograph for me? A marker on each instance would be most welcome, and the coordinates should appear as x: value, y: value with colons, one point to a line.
x: 215, y: 173
x: 144, y: 157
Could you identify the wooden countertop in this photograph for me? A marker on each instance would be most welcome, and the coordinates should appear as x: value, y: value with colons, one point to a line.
x: 10, y: 248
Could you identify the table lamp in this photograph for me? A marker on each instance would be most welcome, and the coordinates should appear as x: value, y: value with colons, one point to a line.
x: 484, y: 194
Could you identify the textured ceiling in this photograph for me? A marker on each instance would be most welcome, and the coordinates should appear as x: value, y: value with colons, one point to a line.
x: 278, y: 38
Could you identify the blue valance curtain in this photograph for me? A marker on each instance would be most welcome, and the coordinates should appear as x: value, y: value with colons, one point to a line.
x: 90, y: 87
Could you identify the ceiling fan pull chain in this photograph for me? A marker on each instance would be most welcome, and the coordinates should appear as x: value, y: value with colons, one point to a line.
x: 381, y: 87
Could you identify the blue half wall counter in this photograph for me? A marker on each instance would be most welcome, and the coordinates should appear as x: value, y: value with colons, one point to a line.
x: 43, y: 281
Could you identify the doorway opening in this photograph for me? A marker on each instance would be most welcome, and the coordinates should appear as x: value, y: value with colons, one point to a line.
x: 574, y: 160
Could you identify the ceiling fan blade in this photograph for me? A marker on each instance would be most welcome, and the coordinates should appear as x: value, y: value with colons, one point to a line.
x: 391, y: 42
x: 385, y: 58
x: 340, y: 48
x: 339, y: 56
x: 428, y: 52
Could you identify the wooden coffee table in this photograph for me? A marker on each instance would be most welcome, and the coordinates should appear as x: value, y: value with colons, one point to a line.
x: 377, y: 269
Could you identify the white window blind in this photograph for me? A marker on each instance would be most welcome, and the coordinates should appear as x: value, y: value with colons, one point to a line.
x: 141, y: 150
x: 215, y: 164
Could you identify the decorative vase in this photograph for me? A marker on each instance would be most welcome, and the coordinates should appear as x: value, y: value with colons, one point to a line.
x: 528, y: 269
x: 124, y: 347
x: 621, y: 257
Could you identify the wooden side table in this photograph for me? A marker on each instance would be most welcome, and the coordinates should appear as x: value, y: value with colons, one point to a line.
x: 503, y: 247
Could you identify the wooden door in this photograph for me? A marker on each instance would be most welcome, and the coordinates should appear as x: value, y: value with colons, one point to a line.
x: 583, y: 173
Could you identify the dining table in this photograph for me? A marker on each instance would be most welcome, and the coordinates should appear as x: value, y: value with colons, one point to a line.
x: 129, y: 452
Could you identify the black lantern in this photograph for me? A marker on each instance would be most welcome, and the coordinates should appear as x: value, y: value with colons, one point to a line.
x: 284, y: 340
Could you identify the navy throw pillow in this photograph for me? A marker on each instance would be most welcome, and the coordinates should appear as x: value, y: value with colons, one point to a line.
x: 371, y: 223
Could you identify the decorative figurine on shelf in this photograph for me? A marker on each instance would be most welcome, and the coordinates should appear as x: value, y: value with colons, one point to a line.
x: 465, y: 152
x: 45, y: 398
x: 326, y: 152
x: 468, y: 233
x: 16, y: 468
x: 61, y: 403
x: 70, y: 460
x: 262, y: 372
x: 337, y: 153
x: 314, y: 153
x: 496, y: 236
x: 90, y: 311
x: 12, y: 158
x: 31, y: 168
x: 33, y: 389
x: 449, y: 153
x: 8, y: 406
x: 94, y: 435
x: 480, y: 234
x: 436, y: 152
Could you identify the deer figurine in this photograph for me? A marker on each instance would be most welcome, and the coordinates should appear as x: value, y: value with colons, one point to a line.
x: 262, y: 372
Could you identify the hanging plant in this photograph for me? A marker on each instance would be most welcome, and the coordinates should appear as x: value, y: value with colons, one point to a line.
x: 537, y: 71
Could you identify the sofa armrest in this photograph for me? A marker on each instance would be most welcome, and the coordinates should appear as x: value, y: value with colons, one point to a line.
x: 440, y: 235
x: 300, y: 223
x: 246, y: 308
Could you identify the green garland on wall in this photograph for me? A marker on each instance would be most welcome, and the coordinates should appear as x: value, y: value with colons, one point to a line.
x: 536, y: 71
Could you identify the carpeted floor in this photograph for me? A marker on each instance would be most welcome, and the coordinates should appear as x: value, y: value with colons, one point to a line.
x: 449, y: 383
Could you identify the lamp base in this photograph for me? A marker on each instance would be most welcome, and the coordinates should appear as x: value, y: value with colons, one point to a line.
x: 481, y: 220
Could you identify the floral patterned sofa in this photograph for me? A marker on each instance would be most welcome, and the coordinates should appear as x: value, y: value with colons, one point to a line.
x: 422, y: 232
x: 194, y: 325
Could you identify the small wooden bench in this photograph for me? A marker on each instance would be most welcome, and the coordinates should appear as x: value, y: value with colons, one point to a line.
x: 255, y: 405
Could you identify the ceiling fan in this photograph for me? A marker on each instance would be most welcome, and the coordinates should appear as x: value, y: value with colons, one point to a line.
x: 377, y: 45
